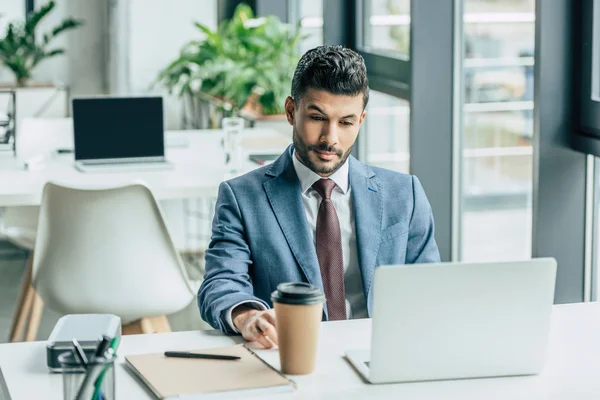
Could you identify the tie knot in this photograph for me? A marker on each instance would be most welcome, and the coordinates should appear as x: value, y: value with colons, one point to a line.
x: 324, y: 187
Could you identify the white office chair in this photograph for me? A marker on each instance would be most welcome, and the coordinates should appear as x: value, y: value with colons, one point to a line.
x: 108, y: 251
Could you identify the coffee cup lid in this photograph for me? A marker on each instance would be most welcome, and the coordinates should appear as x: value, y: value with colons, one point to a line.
x: 297, y: 293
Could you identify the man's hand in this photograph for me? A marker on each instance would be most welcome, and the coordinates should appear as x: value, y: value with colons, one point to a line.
x: 256, y: 325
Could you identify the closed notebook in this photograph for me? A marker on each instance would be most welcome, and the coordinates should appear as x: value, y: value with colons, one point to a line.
x: 184, y: 378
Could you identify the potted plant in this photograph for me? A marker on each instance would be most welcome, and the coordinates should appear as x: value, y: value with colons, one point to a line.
x: 243, y: 68
x: 22, y: 48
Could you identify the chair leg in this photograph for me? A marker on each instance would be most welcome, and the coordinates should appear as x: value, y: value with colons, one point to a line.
x: 24, y: 302
x: 132, y: 328
x: 147, y: 325
x: 160, y: 324
x: 34, y: 318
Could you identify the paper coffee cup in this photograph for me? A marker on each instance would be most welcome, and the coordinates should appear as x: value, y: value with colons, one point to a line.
x: 298, y: 312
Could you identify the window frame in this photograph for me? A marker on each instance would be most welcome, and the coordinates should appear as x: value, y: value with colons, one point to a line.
x: 387, y: 74
x: 585, y: 135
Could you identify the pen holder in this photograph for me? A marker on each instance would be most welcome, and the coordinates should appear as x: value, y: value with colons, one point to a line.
x: 96, y: 381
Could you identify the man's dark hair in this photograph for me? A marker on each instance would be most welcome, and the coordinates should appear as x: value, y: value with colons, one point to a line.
x: 334, y: 69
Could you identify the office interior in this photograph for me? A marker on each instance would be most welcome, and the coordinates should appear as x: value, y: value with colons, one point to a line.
x: 475, y: 97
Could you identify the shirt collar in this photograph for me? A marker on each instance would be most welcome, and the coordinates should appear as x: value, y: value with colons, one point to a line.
x: 308, y: 177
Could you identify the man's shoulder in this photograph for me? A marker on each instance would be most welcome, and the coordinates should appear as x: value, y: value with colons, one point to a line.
x: 258, y: 176
x: 255, y: 177
x: 388, y: 177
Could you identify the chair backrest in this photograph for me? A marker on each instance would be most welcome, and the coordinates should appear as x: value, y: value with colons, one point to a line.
x: 107, y: 250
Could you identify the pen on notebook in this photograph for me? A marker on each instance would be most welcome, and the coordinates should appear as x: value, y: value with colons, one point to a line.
x: 184, y: 354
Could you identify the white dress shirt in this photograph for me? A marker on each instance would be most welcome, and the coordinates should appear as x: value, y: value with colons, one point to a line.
x: 342, y: 201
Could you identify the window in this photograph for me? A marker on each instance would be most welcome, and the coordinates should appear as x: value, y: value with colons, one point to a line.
x: 386, y: 25
x: 595, y: 234
x: 497, y: 129
x: 385, y: 134
x: 383, y: 39
x: 310, y: 15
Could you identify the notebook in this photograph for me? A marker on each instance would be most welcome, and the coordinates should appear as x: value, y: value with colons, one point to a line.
x: 263, y: 159
x: 182, y: 378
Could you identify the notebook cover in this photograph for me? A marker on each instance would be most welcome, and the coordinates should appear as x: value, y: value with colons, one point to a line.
x: 173, y: 377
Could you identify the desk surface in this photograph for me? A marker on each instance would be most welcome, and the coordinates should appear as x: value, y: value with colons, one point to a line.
x: 571, y: 373
x: 198, y: 168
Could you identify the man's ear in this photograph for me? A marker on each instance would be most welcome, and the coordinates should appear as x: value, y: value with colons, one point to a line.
x: 290, y: 109
x: 362, y: 118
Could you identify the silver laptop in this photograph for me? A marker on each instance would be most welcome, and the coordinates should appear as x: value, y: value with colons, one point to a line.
x: 458, y: 320
x: 119, y: 133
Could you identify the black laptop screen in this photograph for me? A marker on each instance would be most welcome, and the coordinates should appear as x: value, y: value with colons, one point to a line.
x: 118, y: 128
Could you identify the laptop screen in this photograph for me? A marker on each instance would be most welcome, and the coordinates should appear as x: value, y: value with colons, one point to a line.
x: 112, y: 127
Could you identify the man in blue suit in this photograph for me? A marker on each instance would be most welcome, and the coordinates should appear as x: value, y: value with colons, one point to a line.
x: 316, y: 214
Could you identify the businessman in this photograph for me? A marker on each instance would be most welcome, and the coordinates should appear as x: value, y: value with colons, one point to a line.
x: 316, y: 214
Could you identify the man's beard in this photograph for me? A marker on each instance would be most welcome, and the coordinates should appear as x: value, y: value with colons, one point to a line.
x: 303, y: 150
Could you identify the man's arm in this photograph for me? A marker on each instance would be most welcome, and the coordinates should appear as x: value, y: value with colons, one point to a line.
x: 421, y: 247
x: 227, y: 281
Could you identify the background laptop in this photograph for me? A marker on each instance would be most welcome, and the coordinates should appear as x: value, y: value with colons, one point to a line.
x: 458, y: 320
x: 118, y: 133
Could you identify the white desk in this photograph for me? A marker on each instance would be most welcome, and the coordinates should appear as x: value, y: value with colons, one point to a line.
x: 571, y: 373
x: 198, y: 169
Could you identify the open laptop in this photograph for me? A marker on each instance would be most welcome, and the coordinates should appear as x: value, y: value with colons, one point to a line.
x: 458, y: 320
x: 119, y: 133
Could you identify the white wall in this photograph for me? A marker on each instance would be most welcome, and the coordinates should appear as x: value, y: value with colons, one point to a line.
x: 157, y: 31
x: 149, y: 34
x: 83, y: 67
x: 10, y: 10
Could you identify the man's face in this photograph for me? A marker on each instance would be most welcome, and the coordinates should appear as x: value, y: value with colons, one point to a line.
x: 325, y: 128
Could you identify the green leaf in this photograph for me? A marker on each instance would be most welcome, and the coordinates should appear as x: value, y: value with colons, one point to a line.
x: 69, y: 23
x: 34, y: 18
x: 54, y: 52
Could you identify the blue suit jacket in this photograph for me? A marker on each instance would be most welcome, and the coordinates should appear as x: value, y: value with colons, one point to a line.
x: 260, y: 236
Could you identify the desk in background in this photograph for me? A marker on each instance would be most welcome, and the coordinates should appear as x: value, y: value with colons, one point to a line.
x: 198, y: 168
x: 185, y: 191
x: 571, y: 373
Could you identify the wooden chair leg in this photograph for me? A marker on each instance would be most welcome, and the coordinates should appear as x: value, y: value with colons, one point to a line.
x: 24, y: 302
x: 34, y: 317
x: 160, y: 324
x: 132, y: 328
x: 147, y: 325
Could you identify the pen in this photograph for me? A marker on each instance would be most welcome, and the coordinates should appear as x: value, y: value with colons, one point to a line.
x: 79, y: 353
x: 114, y: 343
x: 102, y: 346
x: 183, y: 354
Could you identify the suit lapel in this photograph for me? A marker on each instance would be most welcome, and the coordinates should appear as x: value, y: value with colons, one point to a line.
x: 368, y: 213
x: 285, y: 196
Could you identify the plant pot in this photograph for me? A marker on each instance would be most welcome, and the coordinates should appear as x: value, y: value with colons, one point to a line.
x: 200, y: 114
